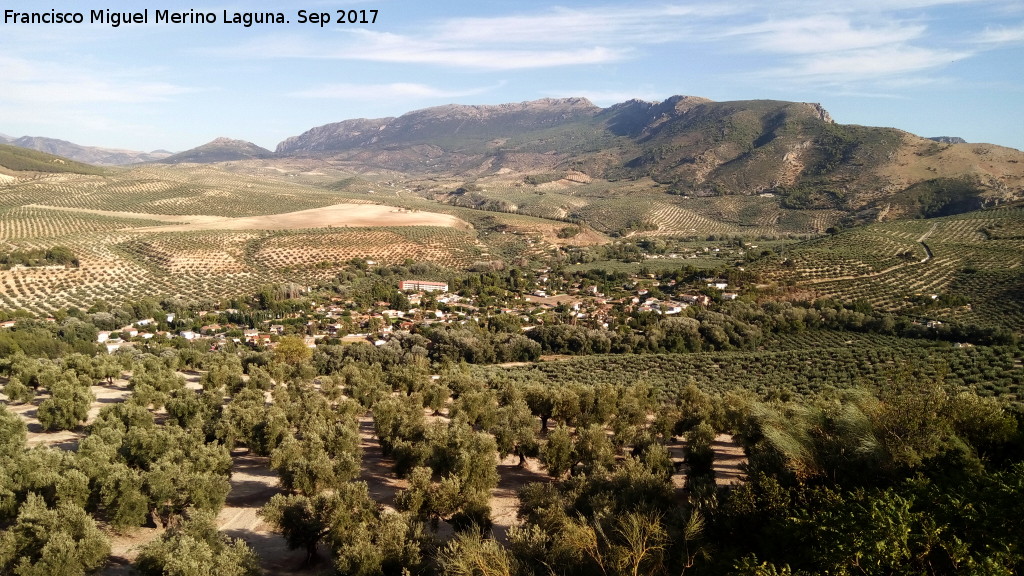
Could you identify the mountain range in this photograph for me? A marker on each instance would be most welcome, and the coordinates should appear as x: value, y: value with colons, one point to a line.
x: 688, y: 145
x: 87, y: 154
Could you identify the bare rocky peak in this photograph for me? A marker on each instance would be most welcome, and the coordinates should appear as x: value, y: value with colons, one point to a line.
x: 335, y: 136
x: 222, y: 141
x: 820, y: 112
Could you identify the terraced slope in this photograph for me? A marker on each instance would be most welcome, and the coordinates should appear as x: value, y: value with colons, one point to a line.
x: 968, y: 267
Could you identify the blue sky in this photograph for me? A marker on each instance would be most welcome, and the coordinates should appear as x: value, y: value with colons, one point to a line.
x: 931, y: 67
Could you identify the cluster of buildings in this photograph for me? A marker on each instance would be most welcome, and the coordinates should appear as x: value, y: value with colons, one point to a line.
x: 341, y: 320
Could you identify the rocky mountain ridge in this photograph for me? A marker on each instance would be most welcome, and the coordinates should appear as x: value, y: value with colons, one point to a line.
x: 439, y: 123
x: 687, y: 144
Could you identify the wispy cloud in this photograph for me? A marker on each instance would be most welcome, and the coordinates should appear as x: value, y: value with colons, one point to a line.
x: 554, y: 38
x: 376, y: 92
x: 871, y: 6
x: 635, y: 24
x: 370, y: 46
x: 823, y: 33
x: 846, y: 50
x: 821, y: 43
x: 43, y: 82
x: 1002, y: 36
x: 855, y: 66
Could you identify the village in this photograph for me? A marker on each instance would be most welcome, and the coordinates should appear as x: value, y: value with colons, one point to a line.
x: 425, y: 303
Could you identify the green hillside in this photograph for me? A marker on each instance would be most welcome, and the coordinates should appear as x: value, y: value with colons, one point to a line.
x: 24, y: 160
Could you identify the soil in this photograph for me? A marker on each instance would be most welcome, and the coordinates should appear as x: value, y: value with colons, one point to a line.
x: 377, y: 472
x: 338, y: 215
x: 728, y: 464
x: 67, y: 439
x: 505, y: 499
x: 253, y: 483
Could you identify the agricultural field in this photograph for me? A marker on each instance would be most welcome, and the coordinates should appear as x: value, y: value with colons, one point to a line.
x: 973, y: 260
x: 627, y: 208
x: 290, y: 251
x: 172, y: 191
x: 200, y: 231
x: 194, y: 230
x: 804, y: 366
x: 462, y: 423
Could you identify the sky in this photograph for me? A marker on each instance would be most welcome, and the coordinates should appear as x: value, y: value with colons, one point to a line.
x: 931, y: 67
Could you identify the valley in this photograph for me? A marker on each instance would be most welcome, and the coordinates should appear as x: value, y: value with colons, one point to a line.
x: 521, y: 340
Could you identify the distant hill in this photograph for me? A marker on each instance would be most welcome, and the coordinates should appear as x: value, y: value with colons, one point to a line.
x: 691, y: 146
x: 452, y: 128
x: 16, y: 159
x: 220, y: 150
x: 948, y: 139
x: 86, y: 154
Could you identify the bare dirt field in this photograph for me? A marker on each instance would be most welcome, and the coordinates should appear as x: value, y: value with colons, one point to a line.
x: 338, y: 215
x: 729, y: 460
x: 505, y: 498
x: 253, y: 484
x: 66, y: 439
x: 377, y: 469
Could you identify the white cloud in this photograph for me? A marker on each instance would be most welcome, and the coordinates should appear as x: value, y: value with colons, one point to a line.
x: 831, y: 47
x: 634, y: 24
x: 869, y: 6
x: 370, y: 46
x: 553, y: 38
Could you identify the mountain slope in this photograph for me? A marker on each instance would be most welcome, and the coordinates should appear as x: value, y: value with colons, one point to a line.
x: 452, y: 138
x: 16, y: 159
x: 689, y: 145
x: 219, y: 150
x: 85, y: 154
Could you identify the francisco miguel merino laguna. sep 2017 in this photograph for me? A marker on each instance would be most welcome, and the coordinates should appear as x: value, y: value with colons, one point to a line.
x: 146, y: 16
